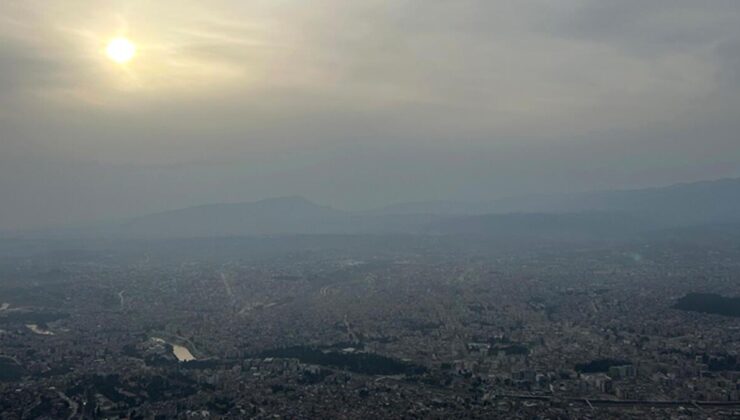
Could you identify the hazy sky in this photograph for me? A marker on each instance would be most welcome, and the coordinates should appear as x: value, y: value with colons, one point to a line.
x: 357, y: 104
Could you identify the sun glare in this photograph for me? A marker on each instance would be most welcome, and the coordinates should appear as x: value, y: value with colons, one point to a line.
x: 120, y: 50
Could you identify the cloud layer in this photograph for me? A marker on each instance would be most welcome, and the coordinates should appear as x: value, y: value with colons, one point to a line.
x: 357, y: 104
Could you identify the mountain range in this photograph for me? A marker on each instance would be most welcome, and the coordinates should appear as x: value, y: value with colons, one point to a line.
x: 582, y: 215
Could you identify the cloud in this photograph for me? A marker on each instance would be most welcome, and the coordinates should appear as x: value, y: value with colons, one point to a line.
x: 315, y: 90
x: 653, y: 27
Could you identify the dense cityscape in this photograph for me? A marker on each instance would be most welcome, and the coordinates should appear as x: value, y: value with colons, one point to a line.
x: 369, y: 209
x: 422, y: 330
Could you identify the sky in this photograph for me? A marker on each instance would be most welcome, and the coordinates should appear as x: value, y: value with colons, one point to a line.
x: 357, y: 104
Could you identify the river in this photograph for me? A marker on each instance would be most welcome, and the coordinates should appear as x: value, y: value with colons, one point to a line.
x: 182, y: 353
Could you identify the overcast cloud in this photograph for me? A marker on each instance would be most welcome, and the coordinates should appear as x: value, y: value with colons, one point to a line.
x: 357, y: 104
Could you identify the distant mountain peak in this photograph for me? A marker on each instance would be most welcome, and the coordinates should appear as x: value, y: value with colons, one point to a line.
x: 594, y: 213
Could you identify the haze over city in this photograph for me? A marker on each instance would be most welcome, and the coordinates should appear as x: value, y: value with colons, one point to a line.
x: 345, y: 209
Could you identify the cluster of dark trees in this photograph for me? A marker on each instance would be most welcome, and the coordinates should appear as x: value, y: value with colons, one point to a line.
x: 366, y: 363
x: 709, y: 303
x: 600, y: 365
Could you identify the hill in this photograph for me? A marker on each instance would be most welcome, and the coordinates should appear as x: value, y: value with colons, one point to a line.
x: 595, y: 215
x: 705, y: 202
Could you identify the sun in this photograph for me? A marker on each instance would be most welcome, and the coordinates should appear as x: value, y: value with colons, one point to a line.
x: 120, y: 50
